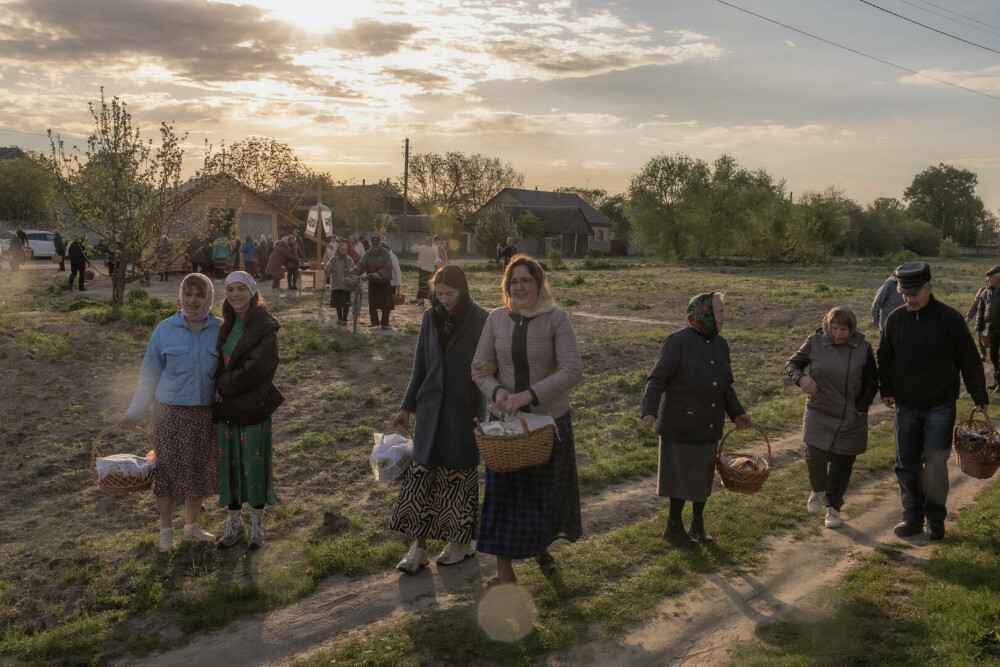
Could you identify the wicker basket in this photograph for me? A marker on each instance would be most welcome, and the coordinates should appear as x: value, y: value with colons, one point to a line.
x: 398, y: 298
x: 977, y: 458
x: 507, y: 453
x: 117, y: 484
x: 57, y: 258
x: 743, y: 481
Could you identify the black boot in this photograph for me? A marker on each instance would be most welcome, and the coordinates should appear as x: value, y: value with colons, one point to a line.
x: 698, y: 533
x: 676, y: 535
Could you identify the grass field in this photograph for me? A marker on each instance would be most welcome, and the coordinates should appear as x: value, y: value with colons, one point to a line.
x: 84, y: 583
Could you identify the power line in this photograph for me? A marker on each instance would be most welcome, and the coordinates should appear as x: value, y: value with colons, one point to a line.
x: 923, y: 25
x: 948, y: 18
x: 957, y: 14
x: 860, y: 53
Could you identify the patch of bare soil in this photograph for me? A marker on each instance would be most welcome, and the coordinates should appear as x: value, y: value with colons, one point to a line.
x: 700, y: 627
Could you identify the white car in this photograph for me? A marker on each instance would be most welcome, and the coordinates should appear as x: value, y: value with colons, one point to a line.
x: 42, y: 243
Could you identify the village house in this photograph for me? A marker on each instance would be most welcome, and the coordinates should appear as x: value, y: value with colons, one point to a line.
x: 574, y: 227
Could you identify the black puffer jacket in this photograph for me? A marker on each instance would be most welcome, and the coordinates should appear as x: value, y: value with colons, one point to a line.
x: 246, y: 383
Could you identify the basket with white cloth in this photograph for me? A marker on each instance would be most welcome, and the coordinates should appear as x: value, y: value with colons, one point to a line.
x: 521, y: 441
x: 123, y: 473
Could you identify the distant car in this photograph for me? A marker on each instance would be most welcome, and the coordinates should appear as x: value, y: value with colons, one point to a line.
x: 42, y: 243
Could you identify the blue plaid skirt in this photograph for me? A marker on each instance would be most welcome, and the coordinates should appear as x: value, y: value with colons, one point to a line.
x: 527, y: 510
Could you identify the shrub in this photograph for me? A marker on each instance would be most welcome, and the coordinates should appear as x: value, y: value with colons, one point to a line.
x: 594, y: 264
x: 948, y: 248
x: 636, y: 305
x: 137, y: 296
x: 556, y: 259
x: 904, y: 256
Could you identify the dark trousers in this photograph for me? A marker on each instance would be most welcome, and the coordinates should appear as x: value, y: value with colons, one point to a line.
x: 341, y: 300
x: 76, y: 268
x: 293, y: 277
x: 923, y: 446
x: 995, y: 353
x: 62, y: 262
x: 829, y: 472
x: 379, y: 298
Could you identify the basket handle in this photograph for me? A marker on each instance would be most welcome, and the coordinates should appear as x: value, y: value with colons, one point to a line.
x: 993, y: 433
x: 756, y: 428
x: 94, y: 452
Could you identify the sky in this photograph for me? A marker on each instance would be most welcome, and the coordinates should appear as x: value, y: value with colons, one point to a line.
x: 571, y: 92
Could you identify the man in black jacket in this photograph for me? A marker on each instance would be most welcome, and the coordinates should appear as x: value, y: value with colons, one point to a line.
x: 988, y: 320
x: 60, y: 248
x: 923, y: 349
x: 77, y: 261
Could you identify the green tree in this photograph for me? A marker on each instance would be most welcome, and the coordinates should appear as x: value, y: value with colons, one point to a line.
x: 121, y: 187
x: 613, y: 208
x: 921, y: 237
x: 530, y: 226
x: 458, y: 183
x: 493, y: 226
x: 667, y: 203
x: 27, y: 189
x: 818, y: 223
x: 945, y: 197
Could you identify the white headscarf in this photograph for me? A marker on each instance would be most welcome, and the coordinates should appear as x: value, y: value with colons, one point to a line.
x: 242, y: 277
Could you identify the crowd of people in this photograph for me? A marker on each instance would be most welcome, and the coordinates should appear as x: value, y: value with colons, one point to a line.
x: 210, y: 381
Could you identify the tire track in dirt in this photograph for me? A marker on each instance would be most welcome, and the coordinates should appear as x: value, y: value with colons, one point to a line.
x: 701, y: 626
x: 341, y: 604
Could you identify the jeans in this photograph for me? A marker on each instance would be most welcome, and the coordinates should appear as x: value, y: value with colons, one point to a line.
x: 923, y: 446
x: 829, y: 472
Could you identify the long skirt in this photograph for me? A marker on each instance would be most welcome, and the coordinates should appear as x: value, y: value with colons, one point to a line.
x: 527, y: 510
x: 686, y: 471
x: 438, y: 503
x: 246, y: 468
x: 423, y: 284
x: 186, y: 465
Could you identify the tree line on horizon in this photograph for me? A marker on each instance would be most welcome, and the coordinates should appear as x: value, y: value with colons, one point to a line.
x: 676, y: 206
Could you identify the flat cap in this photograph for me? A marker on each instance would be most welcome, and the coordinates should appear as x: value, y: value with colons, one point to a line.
x: 995, y: 269
x: 912, y: 276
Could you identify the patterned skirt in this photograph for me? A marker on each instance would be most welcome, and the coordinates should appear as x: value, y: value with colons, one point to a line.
x: 185, y: 451
x: 246, y: 470
x: 527, y: 510
x: 438, y: 503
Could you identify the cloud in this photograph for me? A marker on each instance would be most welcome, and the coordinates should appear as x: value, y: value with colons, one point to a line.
x: 730, y: 138
x: 986, y: 80
x: 487, y: 121
x: 789, y: 43
x: 371, y: 37
x: 597, y: 165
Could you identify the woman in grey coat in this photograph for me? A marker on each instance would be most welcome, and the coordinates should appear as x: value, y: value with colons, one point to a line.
x: 688, y: 395
x: 841, y: 385
x: 439, y: 497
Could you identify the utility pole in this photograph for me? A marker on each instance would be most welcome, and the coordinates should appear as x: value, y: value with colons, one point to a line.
x: 406, y: 188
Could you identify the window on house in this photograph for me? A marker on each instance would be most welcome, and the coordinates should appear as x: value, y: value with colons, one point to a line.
x: 600, y: 234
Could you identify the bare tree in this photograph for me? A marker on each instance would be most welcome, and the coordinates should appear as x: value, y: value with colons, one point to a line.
x: 122, y: 188
x: 457, y: 183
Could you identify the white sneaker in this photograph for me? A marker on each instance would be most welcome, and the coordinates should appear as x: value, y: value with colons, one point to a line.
x: 833, y: 518
x: 235, y: 528
x: 194, y: 532
x: 815, y: 501
x: 415, y: 559
x: 455, y: 552
x: 166, y: 539
x: 256, y: 539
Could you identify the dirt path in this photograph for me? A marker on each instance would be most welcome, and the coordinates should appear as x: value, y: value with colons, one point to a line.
x: 342, y: 604
x: 622, y: 318
x: 702, y: 625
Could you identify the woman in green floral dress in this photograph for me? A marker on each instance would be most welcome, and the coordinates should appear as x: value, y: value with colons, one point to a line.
x: 245, y: 400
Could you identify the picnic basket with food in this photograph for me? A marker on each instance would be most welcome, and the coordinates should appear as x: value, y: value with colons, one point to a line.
x: 742, y: 472
x: 977, y: 449
x: 119, y: 474
x: 520, y: 442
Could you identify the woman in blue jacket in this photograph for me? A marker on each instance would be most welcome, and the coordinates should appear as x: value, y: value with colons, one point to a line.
x: 178, y: 378
x: 439, y: 497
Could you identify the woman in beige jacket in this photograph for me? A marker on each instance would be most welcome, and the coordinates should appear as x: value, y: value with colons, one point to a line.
x: 528, y: 360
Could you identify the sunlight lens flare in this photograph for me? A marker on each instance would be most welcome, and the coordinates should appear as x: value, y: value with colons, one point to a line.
x: 507, y: 614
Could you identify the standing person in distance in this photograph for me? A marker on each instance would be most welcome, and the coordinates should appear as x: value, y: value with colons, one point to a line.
x: 246, y: 399
x: 178, y: 377
x: 340, y: 270
x: 426, y: 261
x: 376, y: 264
x: 886, y: 300
x: 988, y: 321
x: 841, y: 385
x: 923, y: 349
x: 439, y: 497
x: 688, y: 395
x: 984, y: 344
x: 506, y: 252
x: 77, y: 261
x: 60, y: 248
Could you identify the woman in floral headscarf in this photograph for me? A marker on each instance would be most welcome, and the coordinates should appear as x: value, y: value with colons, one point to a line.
x: 688, y: 395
